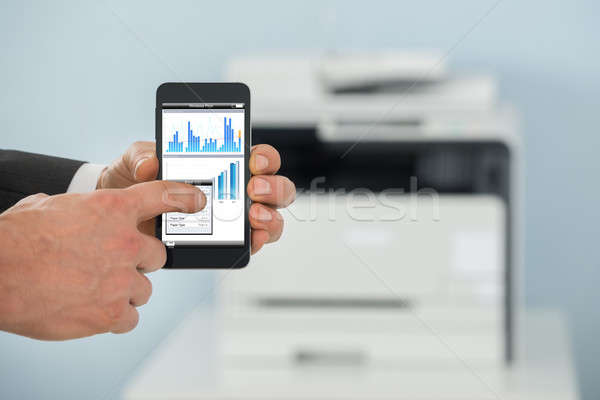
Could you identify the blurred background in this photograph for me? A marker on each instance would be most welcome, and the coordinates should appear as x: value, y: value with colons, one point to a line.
x: 79, y: 81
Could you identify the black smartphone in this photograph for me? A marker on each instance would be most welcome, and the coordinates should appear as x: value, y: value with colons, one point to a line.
x: 203, y: 138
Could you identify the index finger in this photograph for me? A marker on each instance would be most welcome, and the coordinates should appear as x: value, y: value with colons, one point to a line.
x: 155, y: 198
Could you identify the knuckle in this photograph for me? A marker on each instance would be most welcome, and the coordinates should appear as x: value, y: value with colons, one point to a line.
x: 133, y: 321
x: 286, y: 191
x: 277, y: 157
x: 277, y: 160
x: 116, y: 312
x: 142, y: 146
x: 155, y: 255
x: 276, y: 234
x: 39, y: 196
x: 123, y: 319
x: 162, y: 254
x: 149, y: 287
x: 109, y: 199
x: 146, y: 288
x: 292, y: 191
x: 165, y: 187
x: 31, y: 200
x: 267, y: 147
x: 280, y: 221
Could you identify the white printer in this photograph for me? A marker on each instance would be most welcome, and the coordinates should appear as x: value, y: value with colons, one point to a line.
x: 397, y: 276
x: 402, y: 248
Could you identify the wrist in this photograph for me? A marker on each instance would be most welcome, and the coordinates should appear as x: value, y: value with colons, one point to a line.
x: 11, y: 305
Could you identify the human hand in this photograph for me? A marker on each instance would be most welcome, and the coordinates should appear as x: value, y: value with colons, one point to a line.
x: 268, y: 191
x: 138, y: 164
x: 73, y: 265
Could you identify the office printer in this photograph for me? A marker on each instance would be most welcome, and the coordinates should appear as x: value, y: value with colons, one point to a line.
x: 402, y: 248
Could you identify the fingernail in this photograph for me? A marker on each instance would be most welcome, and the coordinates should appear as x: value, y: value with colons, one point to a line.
x: 180, y: 198
x: 137, y: 166
x: 261, y: 214
x: 261, y: 186
x: 201, y: 200
x: 260, y: 162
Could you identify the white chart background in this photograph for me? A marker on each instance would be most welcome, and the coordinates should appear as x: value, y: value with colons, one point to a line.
x: 204, y: 123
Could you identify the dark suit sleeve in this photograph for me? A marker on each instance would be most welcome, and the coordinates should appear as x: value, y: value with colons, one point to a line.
x: 23, y: 174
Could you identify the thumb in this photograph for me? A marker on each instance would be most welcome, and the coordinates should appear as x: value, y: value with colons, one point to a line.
x: 146, y: 169
x: 140, y: 159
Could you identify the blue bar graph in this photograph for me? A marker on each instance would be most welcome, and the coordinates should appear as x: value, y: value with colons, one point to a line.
x: 228, y: 183
x: 175, y: 145
x: 221, y: 195
x: 231, y: 143
x: 232, y: 194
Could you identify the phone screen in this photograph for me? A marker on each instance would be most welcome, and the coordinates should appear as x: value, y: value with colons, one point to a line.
x: 204, y: 146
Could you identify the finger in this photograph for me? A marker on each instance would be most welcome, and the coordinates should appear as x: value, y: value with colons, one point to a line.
x: 146, y: 169
x: 155, y: 198
x: 148, y: 227
x: 153, y: 254
x: 276, y: 190
x: 264, y: 159
x: 142, y: 290
x: 141, y: 161
x: 259, y: 238
x: 127, y: 321
x: 265, y: 218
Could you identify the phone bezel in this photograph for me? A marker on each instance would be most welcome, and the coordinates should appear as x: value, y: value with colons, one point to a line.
x: 206, y: 256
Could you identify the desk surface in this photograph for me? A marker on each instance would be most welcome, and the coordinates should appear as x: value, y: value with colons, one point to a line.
x: 187, y: 366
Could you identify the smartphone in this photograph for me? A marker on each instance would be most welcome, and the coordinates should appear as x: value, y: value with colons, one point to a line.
x: 203, y: 138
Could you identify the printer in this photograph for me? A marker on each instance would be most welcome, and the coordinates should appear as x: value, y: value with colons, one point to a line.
x: 402, y: 247
x: 398, y: 273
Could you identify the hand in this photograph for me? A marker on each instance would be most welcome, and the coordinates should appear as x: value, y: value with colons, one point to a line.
x: 73, y: 265
x: 268, y: 191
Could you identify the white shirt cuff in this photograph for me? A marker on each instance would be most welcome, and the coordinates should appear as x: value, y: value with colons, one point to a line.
x: 86, y: 178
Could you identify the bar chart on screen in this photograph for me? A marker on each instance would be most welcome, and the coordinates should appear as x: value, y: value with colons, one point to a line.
x: 203, y: 136
x: 228, y: 183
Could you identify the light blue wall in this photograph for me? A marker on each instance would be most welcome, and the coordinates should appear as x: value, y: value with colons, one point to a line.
x: 78, y: 80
